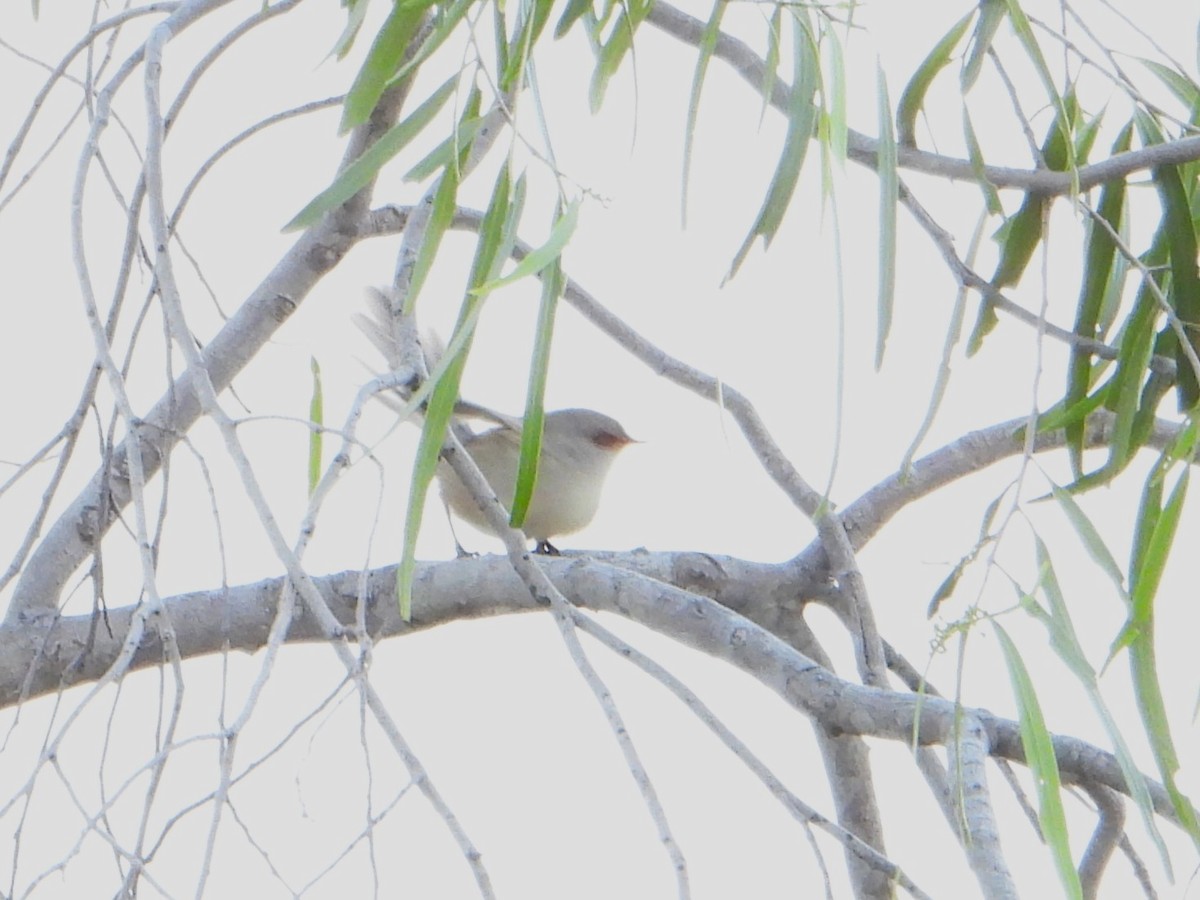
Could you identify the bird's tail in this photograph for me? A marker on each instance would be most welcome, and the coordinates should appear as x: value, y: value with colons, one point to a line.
x: 376, y: 324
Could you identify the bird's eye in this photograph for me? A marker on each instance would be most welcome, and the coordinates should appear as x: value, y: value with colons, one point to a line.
x: 608, y: 440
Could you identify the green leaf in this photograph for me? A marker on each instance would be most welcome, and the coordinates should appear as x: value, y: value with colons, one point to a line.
x: 991, y: 14
x: 1062, y: 416
x: 985, y: 322
x: 801, y: 116
x: 575, y: 9
x: 771, y: 60
x: 708, y: 42
x: 448, y: 151
x: 1064, y: 105
x: 1098, y: 268
x: 1132, y: 360
x: 355, y: 13
x: 1184, y: 291
x: 991, y: 197
x: 889, y: 192
x: 535, y: 410
x: 1147, y: 686
x: 1024, y: 228
x: 1178, y: 83
x: 619, y: 42
x: 531, y: 30
x: 953, y: 334
x: 1153, y: 537
x: 445, y: 393
x: 539, y: 258
x: 441, y: 214
x: 835, y: 95
x: 1086, y: 136
x: 359, y: 173
x: 382, y: 61
x: 1178, y: 229
x: 445, y: 24
x: 1092, y: 542
x: 1064, y: 641
x: 1043, y: 765
x: 913, y: 98
x: 316, y: 415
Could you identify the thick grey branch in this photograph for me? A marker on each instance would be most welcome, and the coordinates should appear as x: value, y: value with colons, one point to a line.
x: 36, y: 661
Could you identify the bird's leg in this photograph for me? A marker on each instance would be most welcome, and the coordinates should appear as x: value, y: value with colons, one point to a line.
x: 460, y: 551
x: 545, y: 548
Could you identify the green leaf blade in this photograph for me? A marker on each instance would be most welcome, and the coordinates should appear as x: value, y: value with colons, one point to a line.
x: 1043, y: 765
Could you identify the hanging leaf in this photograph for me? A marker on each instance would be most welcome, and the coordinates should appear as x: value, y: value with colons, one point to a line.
x: 382, y: 61
x: 539, y: 366
x: 708, y: 42
x: 359, y: 173
x: 613, y: 51
x: 991, y: 14
x: 889, y: 192
x: 1098, y: 266
x: 1043, y: 764
x: 912, y: 100
x: 445, y: 393
x: 801, y: 117
x: 316, y: 415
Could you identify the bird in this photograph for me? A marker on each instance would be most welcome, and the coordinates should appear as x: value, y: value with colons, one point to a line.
x: 578, y: 448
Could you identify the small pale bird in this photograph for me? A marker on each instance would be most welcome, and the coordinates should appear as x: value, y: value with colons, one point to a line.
x: 578, y: 447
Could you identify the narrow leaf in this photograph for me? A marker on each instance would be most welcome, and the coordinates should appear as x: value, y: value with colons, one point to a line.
x: 889, y: 192
x: 1098, y: 268
x: 445, y: 393
x: 445, y: 153
x: 356, y: 11
x: 835, y: 89
x: 1092, y: 542
x: 612, y: 53
x: 1185, y: 279
x: 1147, y: 685
x: 381, y: 63
x: 442, y: 212
x: 535, y: 410
x: 1178, y: 83
x: 1043, y: 765
x: 1023, y: 230
x: 771, y: 60
x: 316, y: 415
x: 539, y: 258
x: 445, y: 24
x: 991, y: 197
x: 991, y: 14
x: 801, y: 116
x: 985, y: 322
x: 1064, y: 641
x: 359, y: 173
x: 1065, y: 117
x: 575, y: 9
x: 708, y: 42
x: 912, y: 100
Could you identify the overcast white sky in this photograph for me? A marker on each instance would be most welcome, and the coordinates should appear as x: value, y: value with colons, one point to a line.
x: 495, y: 709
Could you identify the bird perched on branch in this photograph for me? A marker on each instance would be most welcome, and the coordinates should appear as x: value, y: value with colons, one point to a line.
x: 578, y: 448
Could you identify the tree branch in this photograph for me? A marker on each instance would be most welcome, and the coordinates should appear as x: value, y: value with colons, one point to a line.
x: 34, y: 662
x: 865, y: 150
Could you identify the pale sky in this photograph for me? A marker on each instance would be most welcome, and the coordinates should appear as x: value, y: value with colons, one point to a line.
x: 507, y: 728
